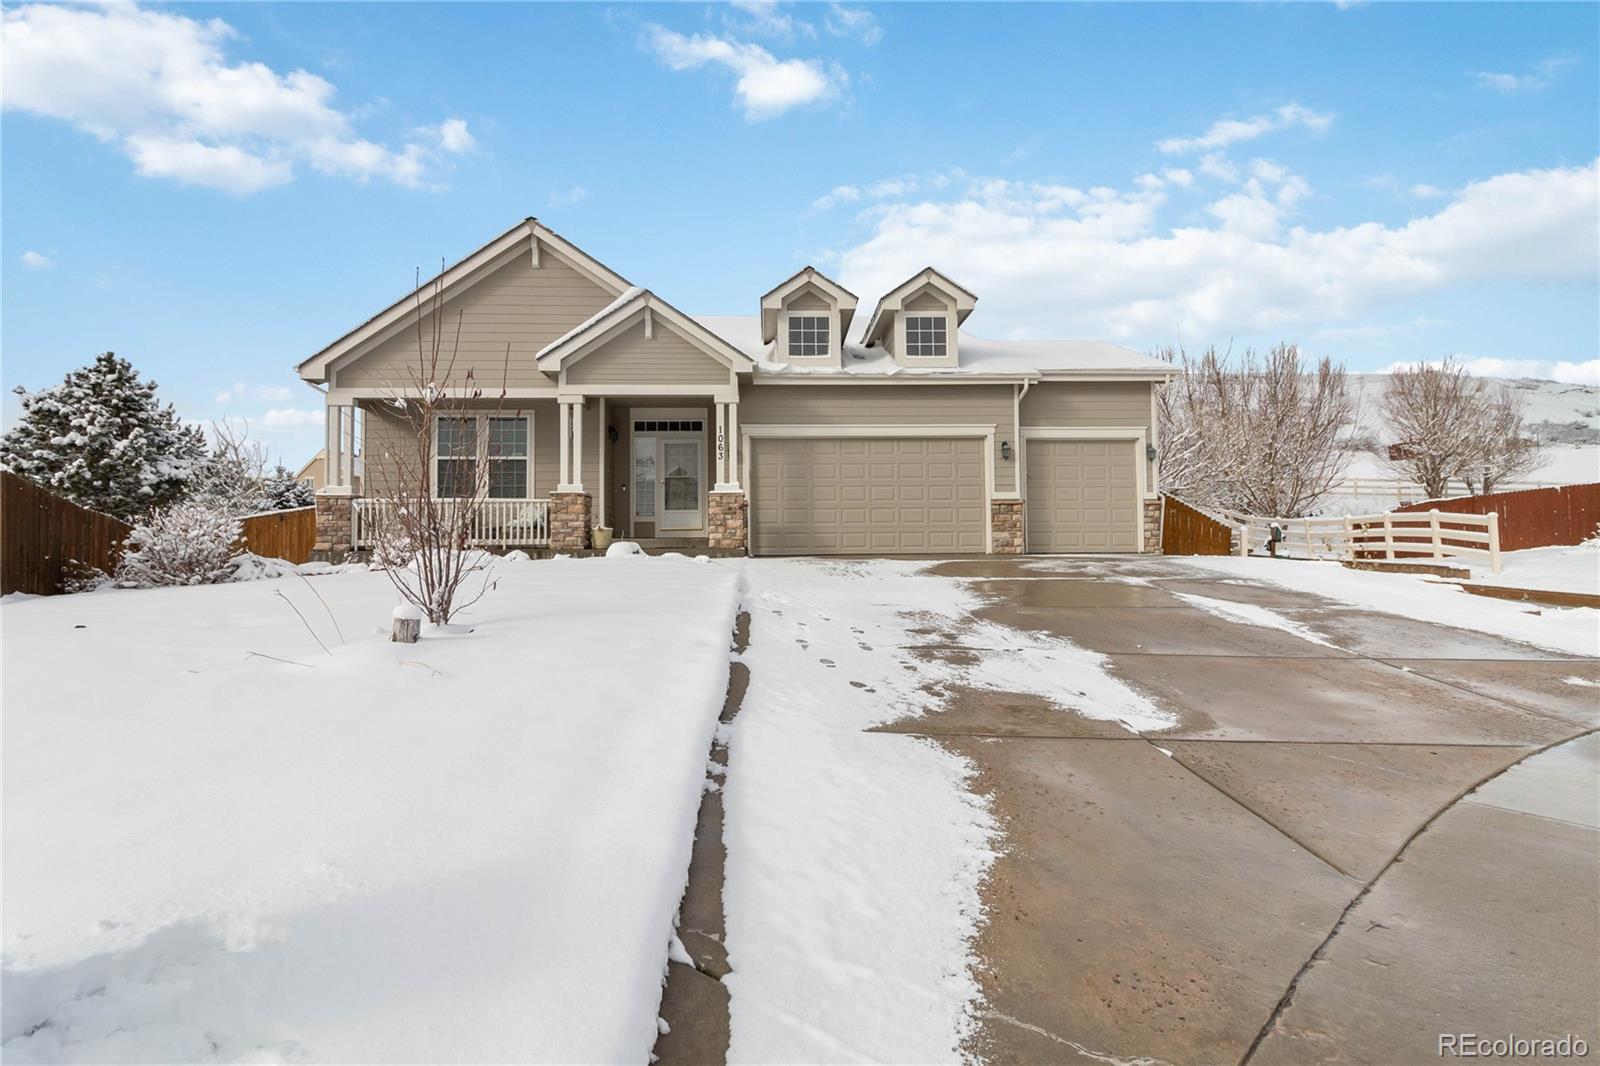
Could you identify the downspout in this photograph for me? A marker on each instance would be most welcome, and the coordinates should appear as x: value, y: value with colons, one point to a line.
x: 1019, y: 472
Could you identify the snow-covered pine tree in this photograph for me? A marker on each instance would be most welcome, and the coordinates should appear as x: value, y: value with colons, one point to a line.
x: 103, y: 440
x: 280, y: 491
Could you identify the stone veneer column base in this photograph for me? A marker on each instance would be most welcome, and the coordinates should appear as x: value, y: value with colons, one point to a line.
x: 727, y: 527
x: 335, y: 515
x: 569, y: 521
x: 1005, y: 527
x: 1152, y: 526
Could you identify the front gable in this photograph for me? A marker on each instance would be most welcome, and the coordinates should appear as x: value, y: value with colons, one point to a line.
x: 509, y: 299
x: 629, y: 354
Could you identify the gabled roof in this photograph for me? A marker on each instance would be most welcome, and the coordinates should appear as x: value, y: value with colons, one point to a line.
x: 619, y: 315
x: 528, y: 236
x: 892, y: 300
x: 772, y: 300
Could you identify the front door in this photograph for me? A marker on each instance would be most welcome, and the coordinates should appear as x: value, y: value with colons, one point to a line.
x: 679, y: 484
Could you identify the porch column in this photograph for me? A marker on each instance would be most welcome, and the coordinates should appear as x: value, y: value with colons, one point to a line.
x: 577, y: 447
x: 728, y: 447
x: 564, y: 437
x: 335, y: 506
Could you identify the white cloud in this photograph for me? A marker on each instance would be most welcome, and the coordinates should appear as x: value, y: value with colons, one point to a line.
x: 1179, y: 177
x: 856, y: 23
x: 1056, y: 261
x: 765, y: 86
x: 291, y: 418
x: 839, y: 194
x: 1568, y: 373
x: 242, y: 391
x: 1216, y: 165
x: 1542, y: 74
x: 161, y: 87
x: 1224, y: 132
x: 1423, y: 191
x: 34, y: 261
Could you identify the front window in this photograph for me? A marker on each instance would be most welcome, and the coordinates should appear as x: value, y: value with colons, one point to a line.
x: 456, y: 456
x: 808, y: 334
x: 508, y: 458
x: 500, y: 442
x: 925, y: 335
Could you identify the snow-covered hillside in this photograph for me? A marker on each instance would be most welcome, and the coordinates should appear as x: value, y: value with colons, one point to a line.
x: 1565, y: 417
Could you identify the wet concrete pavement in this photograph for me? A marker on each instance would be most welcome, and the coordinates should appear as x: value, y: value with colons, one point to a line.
x: 1289, y: 874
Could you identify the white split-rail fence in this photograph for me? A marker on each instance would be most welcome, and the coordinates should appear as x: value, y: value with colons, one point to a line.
x: 496, y: 524
x: 1403, y: 536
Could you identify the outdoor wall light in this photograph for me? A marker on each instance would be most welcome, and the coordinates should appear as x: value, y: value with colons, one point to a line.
x: 1005, y: 449
x: 611, y: 434
x: 1150, y: 452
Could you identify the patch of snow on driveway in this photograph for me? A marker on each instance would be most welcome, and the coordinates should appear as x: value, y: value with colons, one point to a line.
x: 855, y: 858
x: 467, y: 849
x: 1252, y: 615
x: 1575, y: 630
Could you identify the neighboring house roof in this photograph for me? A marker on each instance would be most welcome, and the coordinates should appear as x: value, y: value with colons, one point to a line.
x: 979, y: 356
x: 458, y: 277
x: 582, y: 338
x: 320, y: 457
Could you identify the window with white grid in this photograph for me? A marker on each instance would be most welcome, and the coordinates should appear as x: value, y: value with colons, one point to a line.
x: 925, y: 335
x: 808, y: 334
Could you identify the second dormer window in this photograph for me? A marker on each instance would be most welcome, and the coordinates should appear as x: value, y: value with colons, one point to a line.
x: 925, y: 335
x: 808, y: 335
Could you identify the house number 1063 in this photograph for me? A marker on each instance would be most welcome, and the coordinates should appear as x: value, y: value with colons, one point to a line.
x: 721, y: 444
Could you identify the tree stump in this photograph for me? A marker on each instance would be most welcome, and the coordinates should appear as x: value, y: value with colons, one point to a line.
x: 407, y: 625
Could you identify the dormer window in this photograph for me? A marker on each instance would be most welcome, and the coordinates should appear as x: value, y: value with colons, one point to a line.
x: 808, y: 335
x: 925, y: 335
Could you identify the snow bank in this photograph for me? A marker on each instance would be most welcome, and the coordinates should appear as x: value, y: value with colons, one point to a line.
x: 1573, y: 568
x: 855, y: 858
x: 1573, y: 630
x: 467, y: 849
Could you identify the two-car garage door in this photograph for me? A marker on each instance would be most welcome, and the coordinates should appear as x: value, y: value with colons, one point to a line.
x: 1083, y: 496
x: 867, y: 496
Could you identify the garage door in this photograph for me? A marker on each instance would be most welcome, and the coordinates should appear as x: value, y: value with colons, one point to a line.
x: 1083, y: 496
x: 866, y: 496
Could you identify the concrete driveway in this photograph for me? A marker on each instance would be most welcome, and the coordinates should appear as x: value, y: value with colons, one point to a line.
x: 1291, y: 873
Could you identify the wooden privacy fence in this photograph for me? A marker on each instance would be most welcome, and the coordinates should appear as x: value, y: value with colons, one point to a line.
x: 41, y: 534
x: 281, y: 534
x: 1535, y: 518
x: 1187, y: 531
x: 1432, y: 534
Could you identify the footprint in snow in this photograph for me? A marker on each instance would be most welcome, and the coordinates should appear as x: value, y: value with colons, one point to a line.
x: 826, y: 662
x: 863, y: 647
x: 863, y: 686
x: 804, y: 644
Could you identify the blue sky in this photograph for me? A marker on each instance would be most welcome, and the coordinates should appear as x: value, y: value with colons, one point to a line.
x: 216, y: 191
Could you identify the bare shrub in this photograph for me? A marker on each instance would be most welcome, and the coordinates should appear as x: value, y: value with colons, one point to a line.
x: 1263, y: 434
x: 423, y: 537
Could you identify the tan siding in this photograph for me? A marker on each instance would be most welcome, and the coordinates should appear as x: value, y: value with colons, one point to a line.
x: 896, y: 405
x: 666, y: 358
x: 1079, y: 405
x: 518, y: 305
x: 926, y: 301
x: 809, y: 300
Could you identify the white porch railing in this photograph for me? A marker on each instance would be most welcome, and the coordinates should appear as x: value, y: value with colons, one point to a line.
x: 1408, y: 535
x: 497, y: 523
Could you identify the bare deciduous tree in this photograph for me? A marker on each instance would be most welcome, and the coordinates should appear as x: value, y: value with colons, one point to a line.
x: 1449, y: 424
x: 435, y: 497
x: 231, y: 477
x: 1263, y: 434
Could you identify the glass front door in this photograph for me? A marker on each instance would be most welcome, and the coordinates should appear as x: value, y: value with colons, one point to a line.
x: 678, y: 484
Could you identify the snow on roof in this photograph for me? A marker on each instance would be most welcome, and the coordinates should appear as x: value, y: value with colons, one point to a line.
x: 979, y: 355
x: 627, y: 294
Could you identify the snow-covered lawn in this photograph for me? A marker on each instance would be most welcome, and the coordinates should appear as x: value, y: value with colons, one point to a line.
x: 1574, y: 568
x: 467, y: 849
x: 1567, y: 629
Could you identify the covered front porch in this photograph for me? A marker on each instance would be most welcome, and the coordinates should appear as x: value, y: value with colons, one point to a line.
x: 659, y: 466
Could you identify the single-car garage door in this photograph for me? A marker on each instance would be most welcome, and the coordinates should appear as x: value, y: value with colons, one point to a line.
x: 1083, y: 496
x: 866, y: 496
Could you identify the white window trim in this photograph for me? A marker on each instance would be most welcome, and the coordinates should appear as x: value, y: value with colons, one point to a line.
x: 986, y: 433
x: 952, y: 343
x: 945, y: 316
x: 834, y: 340
x: 482, y: 420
